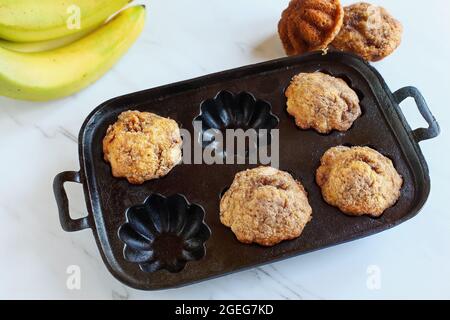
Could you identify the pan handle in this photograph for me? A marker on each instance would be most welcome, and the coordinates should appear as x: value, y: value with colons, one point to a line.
x: 67, y: 223
x: 420, y: 134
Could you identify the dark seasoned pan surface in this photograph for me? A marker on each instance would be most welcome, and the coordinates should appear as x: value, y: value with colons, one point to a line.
x: 381, y: 127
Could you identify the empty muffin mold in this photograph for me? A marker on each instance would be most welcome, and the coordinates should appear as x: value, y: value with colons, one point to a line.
x: 235, y: 111
x: 164, y: 233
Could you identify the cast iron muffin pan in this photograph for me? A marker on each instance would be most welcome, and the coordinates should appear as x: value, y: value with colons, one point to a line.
x: 167, y: 232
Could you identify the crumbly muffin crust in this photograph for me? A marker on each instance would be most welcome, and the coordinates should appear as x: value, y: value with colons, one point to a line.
x: 308, y: 25
x: 265, y: 206
x: 142, y: 146
x: 322, y: 102
x: 369, y: 31
x: 359, y: 180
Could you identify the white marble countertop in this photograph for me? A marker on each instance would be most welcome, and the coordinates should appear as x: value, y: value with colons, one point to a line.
x: 185, y: 39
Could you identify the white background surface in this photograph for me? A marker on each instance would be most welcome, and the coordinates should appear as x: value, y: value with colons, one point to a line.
x: 185, y: 39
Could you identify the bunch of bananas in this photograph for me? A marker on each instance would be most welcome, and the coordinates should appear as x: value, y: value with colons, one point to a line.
x: 50, y: 49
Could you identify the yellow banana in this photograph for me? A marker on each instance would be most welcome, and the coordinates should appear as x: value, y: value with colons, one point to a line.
x: 39, y: 46
x: 61, y: 72
x: 40, y: 20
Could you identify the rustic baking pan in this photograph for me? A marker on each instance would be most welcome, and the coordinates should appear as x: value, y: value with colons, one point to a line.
x: 118, y: 211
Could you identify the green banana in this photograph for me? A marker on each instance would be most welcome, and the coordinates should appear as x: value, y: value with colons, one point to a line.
x: 39, y: 46
x: 41, y: 20
x: 61, y: 72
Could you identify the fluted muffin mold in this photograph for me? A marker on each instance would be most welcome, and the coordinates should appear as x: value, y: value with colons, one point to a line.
x: 164, y: 233
x: 235, y: 111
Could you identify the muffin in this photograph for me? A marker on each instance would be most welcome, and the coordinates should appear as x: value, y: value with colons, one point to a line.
x: 265, y: 206
x: 308, y: 25
x: 142, y: 146
x: 368, y: 31
x: 359, y: 180
x: 322, y: 102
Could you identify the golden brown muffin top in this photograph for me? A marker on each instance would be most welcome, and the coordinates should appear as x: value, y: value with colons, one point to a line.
x: 369, y: 31
x: 322, y: 102
x: 142, y: 146
x: 265, y: 206
x: 359, y: 180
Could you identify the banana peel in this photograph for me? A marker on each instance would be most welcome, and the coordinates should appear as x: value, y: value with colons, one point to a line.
x: 61, y: 72
x: 39, y: 46
x: 41, y: 20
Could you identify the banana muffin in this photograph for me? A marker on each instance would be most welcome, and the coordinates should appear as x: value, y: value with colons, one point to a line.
x: 265, y: 206
x: 142, y: 146
x: 368, y: 31
x: 359, y: 180
x: 308, y: 25
x: 322, y: 102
